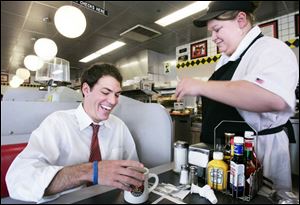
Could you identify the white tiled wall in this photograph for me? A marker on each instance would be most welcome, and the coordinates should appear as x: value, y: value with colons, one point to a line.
x: 286, y: 27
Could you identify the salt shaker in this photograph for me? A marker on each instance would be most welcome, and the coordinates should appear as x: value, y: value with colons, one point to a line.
x: 180, y: 155
x: 184, y: 174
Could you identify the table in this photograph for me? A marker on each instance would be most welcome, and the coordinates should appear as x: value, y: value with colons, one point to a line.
x: 108, y: 195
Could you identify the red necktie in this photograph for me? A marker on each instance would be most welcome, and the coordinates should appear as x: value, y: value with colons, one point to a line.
x: 95, y: 149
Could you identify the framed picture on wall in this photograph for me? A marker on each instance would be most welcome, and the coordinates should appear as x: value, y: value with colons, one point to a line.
x: 27, y: 81
x: 199, y: 49
x: 270, y: 28
x: 297, y: 25
x: 4, y: 78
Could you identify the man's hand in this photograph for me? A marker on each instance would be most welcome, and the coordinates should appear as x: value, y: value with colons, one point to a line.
x: 116, y: 173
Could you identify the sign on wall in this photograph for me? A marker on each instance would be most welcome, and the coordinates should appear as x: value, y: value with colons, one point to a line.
x: 92, y: 7
x: 167, y: 67
x: 270, y: 28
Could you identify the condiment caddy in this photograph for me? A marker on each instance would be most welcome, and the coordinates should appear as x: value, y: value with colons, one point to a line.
x: 241, y: 177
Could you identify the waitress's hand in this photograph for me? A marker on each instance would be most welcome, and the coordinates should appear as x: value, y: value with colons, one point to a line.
x: 188, y: 86
x: 115, y: 173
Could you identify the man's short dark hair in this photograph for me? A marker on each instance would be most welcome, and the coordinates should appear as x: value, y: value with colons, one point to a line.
x: 97, y: 71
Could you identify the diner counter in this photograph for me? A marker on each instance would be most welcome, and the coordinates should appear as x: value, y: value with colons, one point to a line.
x: 103, y: 194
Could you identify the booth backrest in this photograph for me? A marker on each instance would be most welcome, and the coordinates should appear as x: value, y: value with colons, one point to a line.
x: 16, y: 130
x: 151, y: 127
x: 8, y: 154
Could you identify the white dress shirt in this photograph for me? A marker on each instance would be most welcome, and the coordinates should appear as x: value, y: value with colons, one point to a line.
x: 64, y: 139
x: 272, y: 65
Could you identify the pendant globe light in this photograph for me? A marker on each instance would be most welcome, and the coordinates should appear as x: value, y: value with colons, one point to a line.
x: 33, y: 62
x: 23, y: 73
x: 45, y: 48
x: 14, y: 84
x: 17, y: 79
x: 70, y: 21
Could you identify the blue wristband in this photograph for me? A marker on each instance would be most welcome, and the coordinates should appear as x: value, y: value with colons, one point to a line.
x: 95, y: 169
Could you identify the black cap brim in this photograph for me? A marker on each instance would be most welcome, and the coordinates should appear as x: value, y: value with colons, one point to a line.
x: 202, y: 21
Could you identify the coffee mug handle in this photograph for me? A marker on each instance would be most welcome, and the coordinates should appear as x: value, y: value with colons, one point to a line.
x: 155, y: 183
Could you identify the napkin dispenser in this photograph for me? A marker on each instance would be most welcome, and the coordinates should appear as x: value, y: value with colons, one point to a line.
x: 199, y: 155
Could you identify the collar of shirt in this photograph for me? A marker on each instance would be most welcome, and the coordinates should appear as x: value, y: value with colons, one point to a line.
x: 84, y: 119
x: 251, y: 35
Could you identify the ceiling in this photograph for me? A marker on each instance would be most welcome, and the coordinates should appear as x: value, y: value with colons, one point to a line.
x: 22, y: 23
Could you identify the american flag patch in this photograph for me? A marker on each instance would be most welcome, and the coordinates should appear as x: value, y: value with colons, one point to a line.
x: 260, y: 81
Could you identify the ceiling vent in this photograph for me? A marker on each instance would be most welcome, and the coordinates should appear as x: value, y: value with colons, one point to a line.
x: 140, y: 33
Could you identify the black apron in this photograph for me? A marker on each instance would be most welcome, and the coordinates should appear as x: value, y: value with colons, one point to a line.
x: 214, y: 112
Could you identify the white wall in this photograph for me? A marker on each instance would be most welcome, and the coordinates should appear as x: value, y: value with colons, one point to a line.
x: 201, y: 71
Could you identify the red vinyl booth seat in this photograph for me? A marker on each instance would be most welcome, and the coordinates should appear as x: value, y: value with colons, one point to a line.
x: 8, y: 154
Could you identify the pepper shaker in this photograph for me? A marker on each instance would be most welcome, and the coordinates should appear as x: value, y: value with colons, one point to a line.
x: 193, y: 175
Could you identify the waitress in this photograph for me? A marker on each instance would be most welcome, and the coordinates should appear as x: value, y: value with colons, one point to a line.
x: 254, y: 81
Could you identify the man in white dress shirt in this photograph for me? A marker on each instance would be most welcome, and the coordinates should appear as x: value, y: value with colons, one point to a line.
x: 56, y: 158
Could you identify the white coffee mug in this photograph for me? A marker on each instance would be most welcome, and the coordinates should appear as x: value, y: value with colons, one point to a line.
x: 140, y: 194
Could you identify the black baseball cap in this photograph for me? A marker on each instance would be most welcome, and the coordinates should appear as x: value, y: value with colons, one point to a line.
x: 216, y: 8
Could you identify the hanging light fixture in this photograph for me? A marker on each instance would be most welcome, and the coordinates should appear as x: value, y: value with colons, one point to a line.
x: 13, y: 84
x: 23, y: 73
x: 70, y: 21
x: 33, y: 62
x: 17, y: 79
x: 45, y: 48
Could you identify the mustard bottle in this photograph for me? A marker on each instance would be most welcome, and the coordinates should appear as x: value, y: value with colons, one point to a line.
x: 217, y: 172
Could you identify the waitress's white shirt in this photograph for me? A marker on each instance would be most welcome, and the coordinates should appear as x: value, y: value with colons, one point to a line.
x: 272, y: 65
x: 63, y: 139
